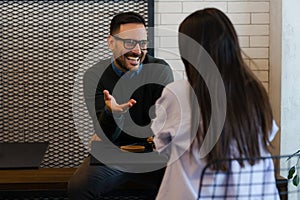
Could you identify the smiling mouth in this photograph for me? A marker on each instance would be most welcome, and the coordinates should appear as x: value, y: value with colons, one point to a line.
x: 133, y: 58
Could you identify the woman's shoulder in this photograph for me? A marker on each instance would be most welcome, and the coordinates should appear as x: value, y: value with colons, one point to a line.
x: 178, y: 89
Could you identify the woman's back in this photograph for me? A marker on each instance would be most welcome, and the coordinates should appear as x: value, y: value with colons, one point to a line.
x: 248, y: 118
x: 182, y: 175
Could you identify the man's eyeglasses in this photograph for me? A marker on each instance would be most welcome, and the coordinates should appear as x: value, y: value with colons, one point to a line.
x: 130, y: 43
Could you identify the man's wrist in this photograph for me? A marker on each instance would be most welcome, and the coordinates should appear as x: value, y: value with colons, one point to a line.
x: 107, y: 111
x: 115, y: 115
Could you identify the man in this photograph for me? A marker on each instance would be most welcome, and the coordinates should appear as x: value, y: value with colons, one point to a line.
x: 135, y: 80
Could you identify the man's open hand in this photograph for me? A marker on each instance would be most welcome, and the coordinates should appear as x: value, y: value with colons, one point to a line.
x: 113, y: 106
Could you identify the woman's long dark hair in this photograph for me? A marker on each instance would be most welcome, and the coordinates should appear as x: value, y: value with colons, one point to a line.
x: 249, y: 112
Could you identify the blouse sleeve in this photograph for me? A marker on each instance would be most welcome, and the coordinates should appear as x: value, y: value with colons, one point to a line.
x: 167, y: 120
x: 273, y: 131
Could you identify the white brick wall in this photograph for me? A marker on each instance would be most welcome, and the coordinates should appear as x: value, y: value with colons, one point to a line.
x: 250, y: 18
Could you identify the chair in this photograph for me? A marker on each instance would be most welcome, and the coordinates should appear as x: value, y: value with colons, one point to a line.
x: 131, y: 190
x: 251, y: 182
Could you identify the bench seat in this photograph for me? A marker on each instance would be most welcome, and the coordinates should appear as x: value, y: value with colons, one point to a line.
x: 41, y: 182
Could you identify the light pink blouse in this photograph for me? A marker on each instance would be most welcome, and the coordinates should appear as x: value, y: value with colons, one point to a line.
x: 172, y: 127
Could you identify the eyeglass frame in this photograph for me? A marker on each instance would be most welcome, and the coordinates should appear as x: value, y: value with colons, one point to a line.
x: 132, y: 40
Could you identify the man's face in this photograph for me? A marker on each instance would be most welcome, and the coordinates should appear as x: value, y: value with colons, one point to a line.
x: 128, y: 58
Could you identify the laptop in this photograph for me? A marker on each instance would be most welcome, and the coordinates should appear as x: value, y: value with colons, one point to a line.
x: 19, y: 155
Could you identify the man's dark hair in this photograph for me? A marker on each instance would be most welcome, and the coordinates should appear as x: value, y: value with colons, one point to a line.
x: 125, y: 18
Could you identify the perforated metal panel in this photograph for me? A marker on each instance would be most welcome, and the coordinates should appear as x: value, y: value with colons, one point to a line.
x: 45, y: 47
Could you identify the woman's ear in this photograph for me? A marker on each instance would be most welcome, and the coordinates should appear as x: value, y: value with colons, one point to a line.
x: 110, y: 42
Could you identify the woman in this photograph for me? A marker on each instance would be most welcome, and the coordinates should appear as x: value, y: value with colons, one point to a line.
x: 186, y: 116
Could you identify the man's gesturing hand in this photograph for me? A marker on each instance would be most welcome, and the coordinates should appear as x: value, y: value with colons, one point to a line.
x: 113, y: 106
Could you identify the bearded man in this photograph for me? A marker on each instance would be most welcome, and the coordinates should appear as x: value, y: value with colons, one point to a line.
x: 119, y: 94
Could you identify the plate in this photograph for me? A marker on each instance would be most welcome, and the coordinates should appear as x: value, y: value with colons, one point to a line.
x: 133, y: 148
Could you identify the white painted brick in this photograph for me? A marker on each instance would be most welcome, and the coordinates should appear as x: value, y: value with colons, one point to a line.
x: 239, y: 18
x: 259, y: 64
x: 260, y: 18
x: 167, y: 53
x: 256, y: 52
x: 176, y: 64
x: 259, y: 41
x: 166, y: 30
x: 168, y: 7
x: 250, y: 19
x: 244, y: 41
x: 169, y: 42
x: 240, y: 7
x: 157, y: 19
x: 192, y: 6
x: 266, y: 86
x: 247, y: 61
x: 156, y: 42
x: 171, y: 0
x: 184, y: 75
x: 172, y: 18
x: 252, y: 29
x: 178, y: 75
x: 262, y: 75
x: 236, y: 0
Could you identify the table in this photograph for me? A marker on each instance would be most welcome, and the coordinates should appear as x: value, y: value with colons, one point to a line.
x: 113, y: 156
x: 35, y: 182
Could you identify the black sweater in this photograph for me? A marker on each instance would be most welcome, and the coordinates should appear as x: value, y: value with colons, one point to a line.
x: 145, y: 88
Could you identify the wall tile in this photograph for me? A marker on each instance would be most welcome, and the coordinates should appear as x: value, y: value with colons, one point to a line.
x: 172, y: 18
x: 260, y: 18
x: 252, y: 29
x: 240, y: 18
x: 262, y: 75
x: 259, y: 64
x: 244, y: 41
x: 259, y: 41
x: 169, y: 42
x: 241, y: 7
x: 256, y: 52
x: 176, y: 64
x: 250, y: 19
x: 168, y: 7
x: 192, y: 6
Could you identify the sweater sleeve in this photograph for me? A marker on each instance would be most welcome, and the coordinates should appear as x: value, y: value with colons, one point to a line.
x: 106, y: 119
x: 94, y: 99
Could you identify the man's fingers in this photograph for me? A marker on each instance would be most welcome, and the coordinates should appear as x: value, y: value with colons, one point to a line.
x: 131, y: 102
x: 107, y: 96
x: 113, y: 106
x: 105, y: 92
x: 125, y: 106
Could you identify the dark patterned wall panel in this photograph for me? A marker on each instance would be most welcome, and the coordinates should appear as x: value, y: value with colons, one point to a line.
x: 45, y: 47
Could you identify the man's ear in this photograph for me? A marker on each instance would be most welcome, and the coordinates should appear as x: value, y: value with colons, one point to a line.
x: 110, y: 42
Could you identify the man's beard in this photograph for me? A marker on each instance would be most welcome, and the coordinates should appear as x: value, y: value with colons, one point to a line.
x: 129, y: 56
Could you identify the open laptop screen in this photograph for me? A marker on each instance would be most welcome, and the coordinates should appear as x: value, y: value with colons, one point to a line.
x: 22, y: 155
